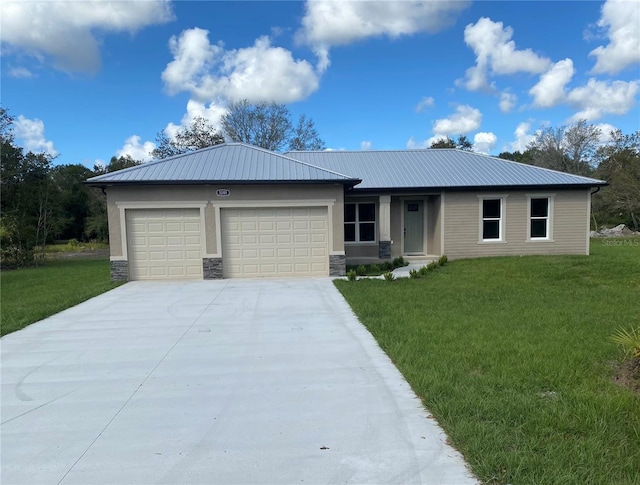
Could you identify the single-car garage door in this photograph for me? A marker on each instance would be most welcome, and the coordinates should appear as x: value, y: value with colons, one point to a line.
x: 164, y: 244
x: 279, y: 241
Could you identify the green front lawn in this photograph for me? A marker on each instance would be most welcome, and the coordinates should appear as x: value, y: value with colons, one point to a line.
x: 31, y: 294
x: 512, y: 357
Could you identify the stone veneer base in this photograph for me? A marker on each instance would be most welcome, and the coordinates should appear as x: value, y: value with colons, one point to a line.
x: 384, y: 250
x: 337, y: 265
x: 119, y: 270
x: 212, y: 268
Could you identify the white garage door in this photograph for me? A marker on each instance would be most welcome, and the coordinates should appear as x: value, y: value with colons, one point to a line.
x: 164, y: 244
x: 281, y: 241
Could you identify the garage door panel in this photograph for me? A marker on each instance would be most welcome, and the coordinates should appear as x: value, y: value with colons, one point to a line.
x: 281, y: 241
x: 164, y: 243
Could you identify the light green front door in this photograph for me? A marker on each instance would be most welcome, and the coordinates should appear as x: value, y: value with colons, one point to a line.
x: 413, y: 226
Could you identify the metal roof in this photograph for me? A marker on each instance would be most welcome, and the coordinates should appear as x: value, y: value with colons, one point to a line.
x: 229, y: 162
x: 437, y: 168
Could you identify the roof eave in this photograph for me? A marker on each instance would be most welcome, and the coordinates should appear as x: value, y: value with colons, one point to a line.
x: 481, y: 187
x: 98, y: 183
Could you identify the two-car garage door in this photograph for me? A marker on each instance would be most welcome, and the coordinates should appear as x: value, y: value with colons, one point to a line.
x: 280, y: 241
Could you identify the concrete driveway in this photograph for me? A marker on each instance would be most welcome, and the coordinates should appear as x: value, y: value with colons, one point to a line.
x: 225, y: 382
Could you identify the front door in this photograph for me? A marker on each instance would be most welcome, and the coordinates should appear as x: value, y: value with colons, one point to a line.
x: 413, y: 227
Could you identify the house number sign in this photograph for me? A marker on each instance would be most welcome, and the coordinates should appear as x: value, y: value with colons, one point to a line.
x: 223, y: 192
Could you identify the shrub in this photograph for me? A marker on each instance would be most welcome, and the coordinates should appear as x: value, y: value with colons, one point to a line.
x: 387, y: 266
x: 399, y: 262
x: 414, y: 273
x: 352, y: 275
x: 629, y: 340
x: 443, y: 260
x: 423, y: 271
x: 361, y: 270
x: 374, y: 268
x: 389, y: 276
x: 432, y: 266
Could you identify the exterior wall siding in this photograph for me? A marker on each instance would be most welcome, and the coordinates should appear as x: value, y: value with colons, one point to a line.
x: 569, y: 221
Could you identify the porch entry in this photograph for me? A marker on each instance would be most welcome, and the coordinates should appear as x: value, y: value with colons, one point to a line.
x: 413, y: 226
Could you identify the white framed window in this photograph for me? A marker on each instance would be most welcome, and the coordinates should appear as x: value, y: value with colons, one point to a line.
x: 360, y: 222
x: 539, y: 215
x: 492, y: 218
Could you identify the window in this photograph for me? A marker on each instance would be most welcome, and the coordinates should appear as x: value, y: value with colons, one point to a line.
x: 360, y: 222
x: 491, y: 219
x: 539, y: 216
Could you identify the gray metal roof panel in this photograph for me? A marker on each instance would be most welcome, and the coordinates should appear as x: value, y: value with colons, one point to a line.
x: 232, y: 162
x: 436, y: 168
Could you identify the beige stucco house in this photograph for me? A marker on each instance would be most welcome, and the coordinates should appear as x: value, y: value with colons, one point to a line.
x: 235, y: 210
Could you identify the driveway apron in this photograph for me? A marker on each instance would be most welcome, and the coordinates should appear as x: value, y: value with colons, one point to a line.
x: 220, y: 382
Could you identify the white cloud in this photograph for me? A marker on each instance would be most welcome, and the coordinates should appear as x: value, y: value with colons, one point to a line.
x: 212, y: 113
x: 597, y: 98
x: 464, y: 120
x: 66, y: 30
x: 426, y: 102
x: 622, y: 21
x: 605, y: 131
x: 137, y: 150
x: 336, y: 22
x: 550, y: 90
x: 31, y: 133
x: 365, y: 145
x: 20, y: 72
x: 257, y: 73
x: 484, y: 142
x: 522, y: 137
x: 330, y: 23
x: 507, y: 101
x: 496, y: 54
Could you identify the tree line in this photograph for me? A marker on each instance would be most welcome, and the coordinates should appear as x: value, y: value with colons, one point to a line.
x: 41, y: 202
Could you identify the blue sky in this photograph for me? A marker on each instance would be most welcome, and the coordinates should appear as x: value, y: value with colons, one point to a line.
x: 87, y: 80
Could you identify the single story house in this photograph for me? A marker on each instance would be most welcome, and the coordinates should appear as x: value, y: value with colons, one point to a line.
x: 236, y: 210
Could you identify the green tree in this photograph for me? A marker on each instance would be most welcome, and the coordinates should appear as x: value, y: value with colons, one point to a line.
x: 199, y: 134
x: 269, y: 125
x: 72, y: 200
x: 462, y: 143
x: 568, y: 149
x: 619, y: 202
x: 26, y: 192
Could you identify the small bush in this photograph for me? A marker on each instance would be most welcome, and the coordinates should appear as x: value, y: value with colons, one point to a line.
x: 374, y: 269
x: 443, y: 260
x: 414, y: 273
x: 361, y: 270
x: 432, y: 266
x: 629, y: 340
x: 389, y: 276
x: 399, y: 262
x: 423, y: 271
x: 387, y: 266
x: 352, y: 275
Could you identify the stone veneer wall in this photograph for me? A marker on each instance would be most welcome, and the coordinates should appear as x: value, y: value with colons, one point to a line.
x: 212, y: 268
x: 119, y: 270
x: 384, y: 250
x: 337, y: 265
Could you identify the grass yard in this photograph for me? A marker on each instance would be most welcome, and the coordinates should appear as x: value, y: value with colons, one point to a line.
x: 512, y: 357
x: 31, y: 294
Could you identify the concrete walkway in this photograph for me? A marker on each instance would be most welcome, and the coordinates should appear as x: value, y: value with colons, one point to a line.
x: 226, y: 382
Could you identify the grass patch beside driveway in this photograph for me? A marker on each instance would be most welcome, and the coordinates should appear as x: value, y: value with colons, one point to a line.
x: 31, y: 294
x: 513, y: 358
